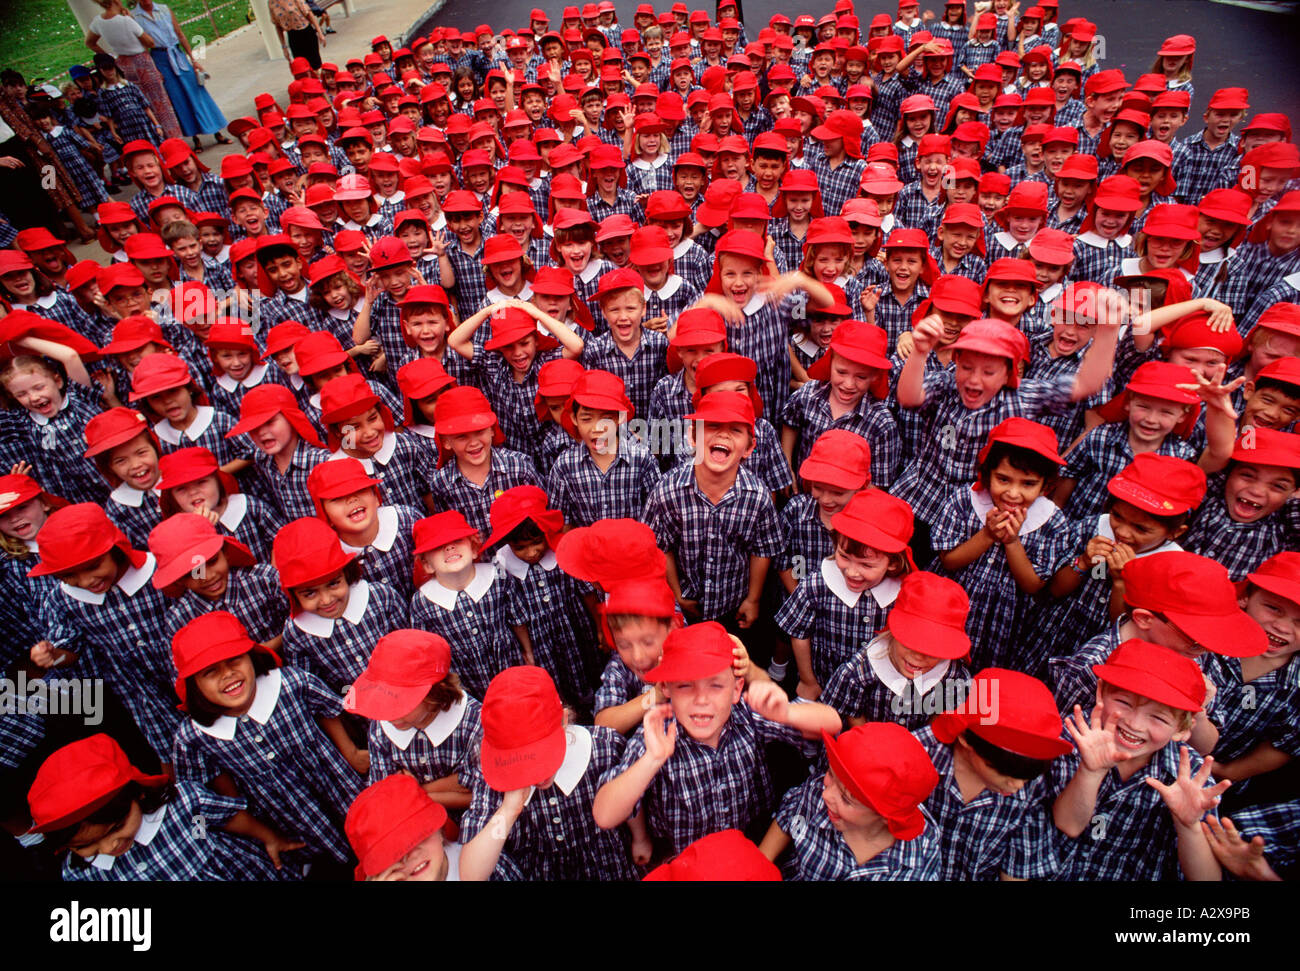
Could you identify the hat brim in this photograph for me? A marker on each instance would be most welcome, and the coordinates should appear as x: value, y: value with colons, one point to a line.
x: 507, y: 769
x: 1144, y: 684
x: 926, y: 636
x: 691, y: 667
x: 833, y: 475
x: 905, y: 827
x: 1230, y: 636
x: 380, y: 700
x: 165, y: 574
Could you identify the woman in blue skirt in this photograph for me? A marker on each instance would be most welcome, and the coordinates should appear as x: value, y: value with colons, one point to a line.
x: 195, y: 110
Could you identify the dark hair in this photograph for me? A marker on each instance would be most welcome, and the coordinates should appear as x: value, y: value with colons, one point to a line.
x: 267, y: 253
x: 113, y: 813
x: 38, y: 111
x: 446, y: 692
x: 103, y: 461
x: 1004, y: 762
x: 43, y: 285
x: 351, y: 575
x: 84, y: 108
x: 1022, y: 460
x: 525, y: 532
x: 10, y: 76
x: 898, y: 563
x: 1170, y: 524
x: 1232, y: 467
x: 771, y: 154
x: 202, y: 710
x: 1286, y: 387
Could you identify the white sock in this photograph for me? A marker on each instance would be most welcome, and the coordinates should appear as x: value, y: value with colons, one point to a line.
x: 777, y: 671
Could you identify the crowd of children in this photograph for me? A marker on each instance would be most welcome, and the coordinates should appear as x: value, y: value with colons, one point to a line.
x: 856, y: 447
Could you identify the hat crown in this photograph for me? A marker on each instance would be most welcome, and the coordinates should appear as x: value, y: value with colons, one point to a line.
x: 520, y: 707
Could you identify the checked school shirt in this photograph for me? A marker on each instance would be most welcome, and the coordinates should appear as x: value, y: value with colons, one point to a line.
x: 289, y: 488
x: 1240, y: 547
x: 808, y: 541
x: 448, y: 745
x: 338, y: 650
x: 808, y: 410
x: 252, y: 594
x: 1263, y: 710
x: 639, y: 373
x: 585, y: 494
x: 713, y: 543
x: 1104, y: 453
x: 451, y: 490
x: 867, y: 686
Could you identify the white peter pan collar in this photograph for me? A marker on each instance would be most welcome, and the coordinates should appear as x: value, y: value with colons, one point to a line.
x: 755, y: 304
x: 445, y: 597
x: 671, y: 286
x: 172, y: 435
x: 263, y: 707
x: 1051, y: 293
x: 495, y: 295
x: 883, y: 593
x: 314, y: 624
x: 682, y: 248
x: 518, y: 568
x: 42, y: 420
x: 645, y: 166
x: 424, y: 431
x: 577, y: 756
x: 252, y: 381
x: 1090, y: 238
x: 385, y: 453
x: 590, y: 271
x: 1007, y: 240
x: 236, y: 510
x: 806, y: 344
x: 129, y: 495
x: 1039, y: 512
x: 891, y: 678
x: 150, y: 825
x: 384, y: 539
x: 1292, y: 280
x: 437, y: 731
x: 130, y: 584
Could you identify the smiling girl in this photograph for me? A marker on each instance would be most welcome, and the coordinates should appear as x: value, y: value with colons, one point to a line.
x: 126, y: 452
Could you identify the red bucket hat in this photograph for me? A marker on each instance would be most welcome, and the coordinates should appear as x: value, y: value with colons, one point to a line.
x: 80, y: 778
x: 418, y: 379
x: 186, y: 540
x: 77, y: 534
x: 403, y: 667
x: 861, y: 343
x: 436, y: 531
x: 879, y: 520
x: 1196, y: 594
x: 207, y: 639
x: 263, y: 403
x: 1154, y: 672
x: 555, y: 380
x: 725, y: 855
x: 1156, y: 379
x: 883, y: 766
x: 1279, y: 574
x: 611, y: 551
x: 999, y: 339
x: 524, y: 738
x: 694, y: 652
x: 840, y: 458
x: 16, y: 489
x: 929, y: 615
x: 519, y: 503
x: 305, y: 552
x: 1023, y: 433
x: 388, y: 820
x: 187, y: 465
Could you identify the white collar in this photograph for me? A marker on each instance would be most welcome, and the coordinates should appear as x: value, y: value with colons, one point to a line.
x: 223, y: 256
x: 755, y: 304
x: 1130, y: 265
x: 589, y: 271
x: 1216, y: 255
x: 235, y: 511
x: 385, y: 453
x: 172, y: 435
x: 424, y: 431
x: 806, y: 344
x: 56, y: 131
x: 1292, y: 280
x: 682, y: 248
x: 518, y: 568
x: 150, y: 824
x: 889, y: 676
x: 129, y: 495
x: 300, y: 296
x: 1039, y: 512
x: 387, y: 535
x: 394, y: 199
x: 1049, y: 294
x: 645, y: 166
x: 1090, y: 238
x: 445, y: 597
x: 437, y: 731
x: 883, y: 593
x: 132, y: 580
x: 314, y: 400
x: 577, y: 756
x: 495, y: 295
x: 440, y: 222
x: 261, y: 710
x: 908, y: 141
x: 317, y: 626
x: 1007, y: 240
x: 45, y: 302
x: 671, y: 286
x: 296, y: 381
x: 341, y: 314
x: 252, y: 381
x: 42, y: 420
x: 887, y: 224
x: 1104, y: 529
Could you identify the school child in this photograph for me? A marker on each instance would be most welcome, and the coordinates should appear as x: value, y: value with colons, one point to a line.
x: 629, y: 349
x: 636, y: 616
x: 1242, y: 523
x: 227, y: 682
x: 714, y: 725
x: 1020, y: 218
x: 113, y: 821
x: 669, y: 211
x: 166, y: 392
x: 287, y: 271
x: 359, y: 425
x: 335, y: 296
x: 1010, y: 289
x: 1004, y: 524
x: 506, y: 362
x: 798, y: 203
x: 24, y: 507
x: 358, y: 210
x: 352, y: 503
x: 555, y: 381
x: 57, y: 398
x: 961, y: 248
x: 288, y: 448
x: 126, y: 452
x: 1223, y: 221
x: 204, y: 570
x: 921, y: 202
x: 1270, y: 255
x: 984, y: 389
x: 914, y: 663
x: 465, y: 601
x: 335, y: 616
x: 104, y: 615
x: 826, y: 615
x: 191, y: 481
x: 864, y: 819
x: 812, y: 335
x: 235, y: 355
x: 666, y: 293
x: 847, y: 388
x: 912, y: 271
x: 24, y: 287
x: 1127, y: 747
x: 1104, y: 239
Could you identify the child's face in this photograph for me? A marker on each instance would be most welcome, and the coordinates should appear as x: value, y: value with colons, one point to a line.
x: 740, y: 276
x: 991, y: 778
x: 1147, y: 172
x: 21, y: 283
x: 426, y: 862
x: 188, y: 250
x: 521, y: 353
x: 1270, y: 408
x: 980, y: 377
x: 1280, y: 619
x: 305, y: 241
x: 212, y: 239
x: 275, y: 435
x: 576, y: 254
x: 236, y: 362
x: 39, y: 391
x: 624, y: 310
x: 1207, y: 362
x: 1013, y: 489
x: 395, y: 280
x: 427, y: 327
x: 904, y: 268
x: 1023, y: 228
x: 328, y: 598
x: 1254, y: 492
x: 1008, y: 299
x: 821, y: 328
x: 1072, y: 192
x: 909, y: 663
x: 336, y: 295
x: 1141, y: 726
x: 1284, y: 233
x: 917, y: 124
x: 319, y: 379
x: 829, y: 498
x: 530, y: 551
x: 23, y: 521
x: 155, y: 272
x: 829, y: 262
x: 199, y: 495
x: 210, y: 580
x: 598, y: 430
x: 931, y: 167
x: 689, y: 181
x: 617, y: 250
x: 958, y: 241
x: 861, y: 572
x: 1214, y: 232
x: 135, y: 463
x: 1109, y: 223
x: 229, y: 684
x: 356, y: 512
x: 94, y: 576
x: 107, y: 839
x: 1151, y: 419
x: 842, y: 809
x: 692, y: 356
x: 655, y: 275
x: 452, y: 558
x: 702, y: 707
x: 849, y: 380
x: 991, y: 202
x: 357, y: 210
x: 1165, y: 122
x: 1163, y: 251
x: 720, y: 447
x: 174, y: 404
x: 1138, y: 529
x: 363, y: 434
x: 640, y: 642
x: 472, y: 449
x: 251, y: 215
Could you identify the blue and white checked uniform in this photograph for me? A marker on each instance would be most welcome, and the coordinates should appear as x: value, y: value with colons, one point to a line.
x: 585, y: 494
x: 20, y: 602
x: 1068, y: 423
x: 838, y: 184
x: 476, y: 623
x: 141, y: 200
x: 1096, y: 258
x: 1070, y: 674
x: 890, y: 93
x: 133, y: 512
x: 556, y: 837
x: 337, y: 651
x: 289, y: 488
x: 998, y: 607
x: 761, y: 337
x: 914, y: 211
x: 955, y: 434
x: 639, y: 373
x: 713, y: 543
x: 836, y: 620
x: 451, y: 490
x: 702, y: 790
x: 448, y: 745
x: 972, y: 266
x: 788, y: 248
x: 404, y: 465
x: 1253, y: 271
x: 1240, y: 547
x: 671, y: 299
x: 126, y: 105
x: 896, y: 318
x: 819, y: 852
x: 1199, y: 168
x: 808, y: 541
x: 1279, y: 825
x: 252, y: 521
x: 619, y: 684
x: 693, y: 264
x: 68, y: 146
x: 808, y: 411
x: 390, y: 558
x: 1103, y: 454
x: 211, y: 194
x: 624, y: 203
x: 1263, y: 710
x: 55, y: 447
x: 252, y: 594
x: 386, y: 328
x: 281, y: 760
x: 857, y: 690
x: 470, y: 289
x: 645, y: 177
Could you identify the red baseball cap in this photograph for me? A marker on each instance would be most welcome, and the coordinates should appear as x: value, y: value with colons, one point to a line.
x: 694, y: 652
x: 403, y: 667
x: 524, y: 738
x: 1025, y: 719
x: 207, y: 639
x: 725, y: 855
x: 1279, y: 574
x: 884, y: 766
x: 611, y: 551
x: 1155, y: 672
x: 1197, y: 595
x: 388, y: 820
x: 929, y: 615
x: 1159, y: 484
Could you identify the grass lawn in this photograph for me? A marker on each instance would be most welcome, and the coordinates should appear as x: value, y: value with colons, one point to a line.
x: 41, y: 38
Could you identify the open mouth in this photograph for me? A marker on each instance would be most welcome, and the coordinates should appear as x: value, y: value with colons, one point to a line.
x: 720, y: 453
x: 702, y: 722
x: 358, y: 515
x: 1245, y: 508
x: 1275, y: 642
x: 234, y: 689
x: 1128, y: 739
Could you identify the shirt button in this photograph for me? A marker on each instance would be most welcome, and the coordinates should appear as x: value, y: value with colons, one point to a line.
x: 559, y: 837
x: 474, y: 631
x: 553, y: 802
x: 546, y: 599
x: 270, y: 755
x: 257, y: 738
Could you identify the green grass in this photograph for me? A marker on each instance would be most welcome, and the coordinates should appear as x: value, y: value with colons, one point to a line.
x: 41, y: 38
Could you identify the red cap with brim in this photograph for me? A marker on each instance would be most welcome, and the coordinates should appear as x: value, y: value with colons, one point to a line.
x: 694, y: 652
x: 403, y: 667
x: 524, y: 738
x: 1154, y: 672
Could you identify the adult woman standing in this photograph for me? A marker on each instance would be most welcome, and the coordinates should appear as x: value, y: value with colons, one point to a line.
x: 127, y: 41
x: 172, y: 55
x: 299, y: 30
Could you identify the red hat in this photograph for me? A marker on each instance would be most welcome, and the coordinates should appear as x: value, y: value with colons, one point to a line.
x: 555, y: 380
x: 1197, y: 595
x: 1024, y: 721
x: 725, y: 855
x: 600, y: 390
x: 1279, y: 574
x: 862, y: 343
x: 1156, y: 379
x: 1155, y: 672
x: 724, y: 406
x: 1289, y: 203
x: 16, y: 489
x: 511, y: 324
x: 388, y: 820
x: 403, y: 667
x: 1283, y: 317
x: 132, y: 333
x: 115, y: 427
x: 436, y: 531
x: 1230, y: 99
x: 338, y: 478
x: 159, y: 372
x: 879, y: 520
x: 883, y: 766
x: 262, y: 403
x: 1023, y: 433
x: 953, y: 294
x: 462, y: 409
x: 186, y: 540
x: 187, y: 465
x: 82, y: 532
x: 929, y: 614
x: 612, y: 551
x: 207, y: 639
x: 1053, y: 246
x: 840, y: 458
x: 694, y: 652
x: 418, y: 379
x: 1011, y: 270
x: 918, y: 240
x: 1159, y: 484
x: 320, y: 351
x: 1026, y: 198
x: 524, y: 738
x: 80, y: 778
x: 1159, y: 152
x: 998, y: 338
x: 1268, y: 446
x: 880, y: 179
x: 1105, y: 82
x: 1194, y: 331
x: 305, y: 552
x: 966, y: 214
